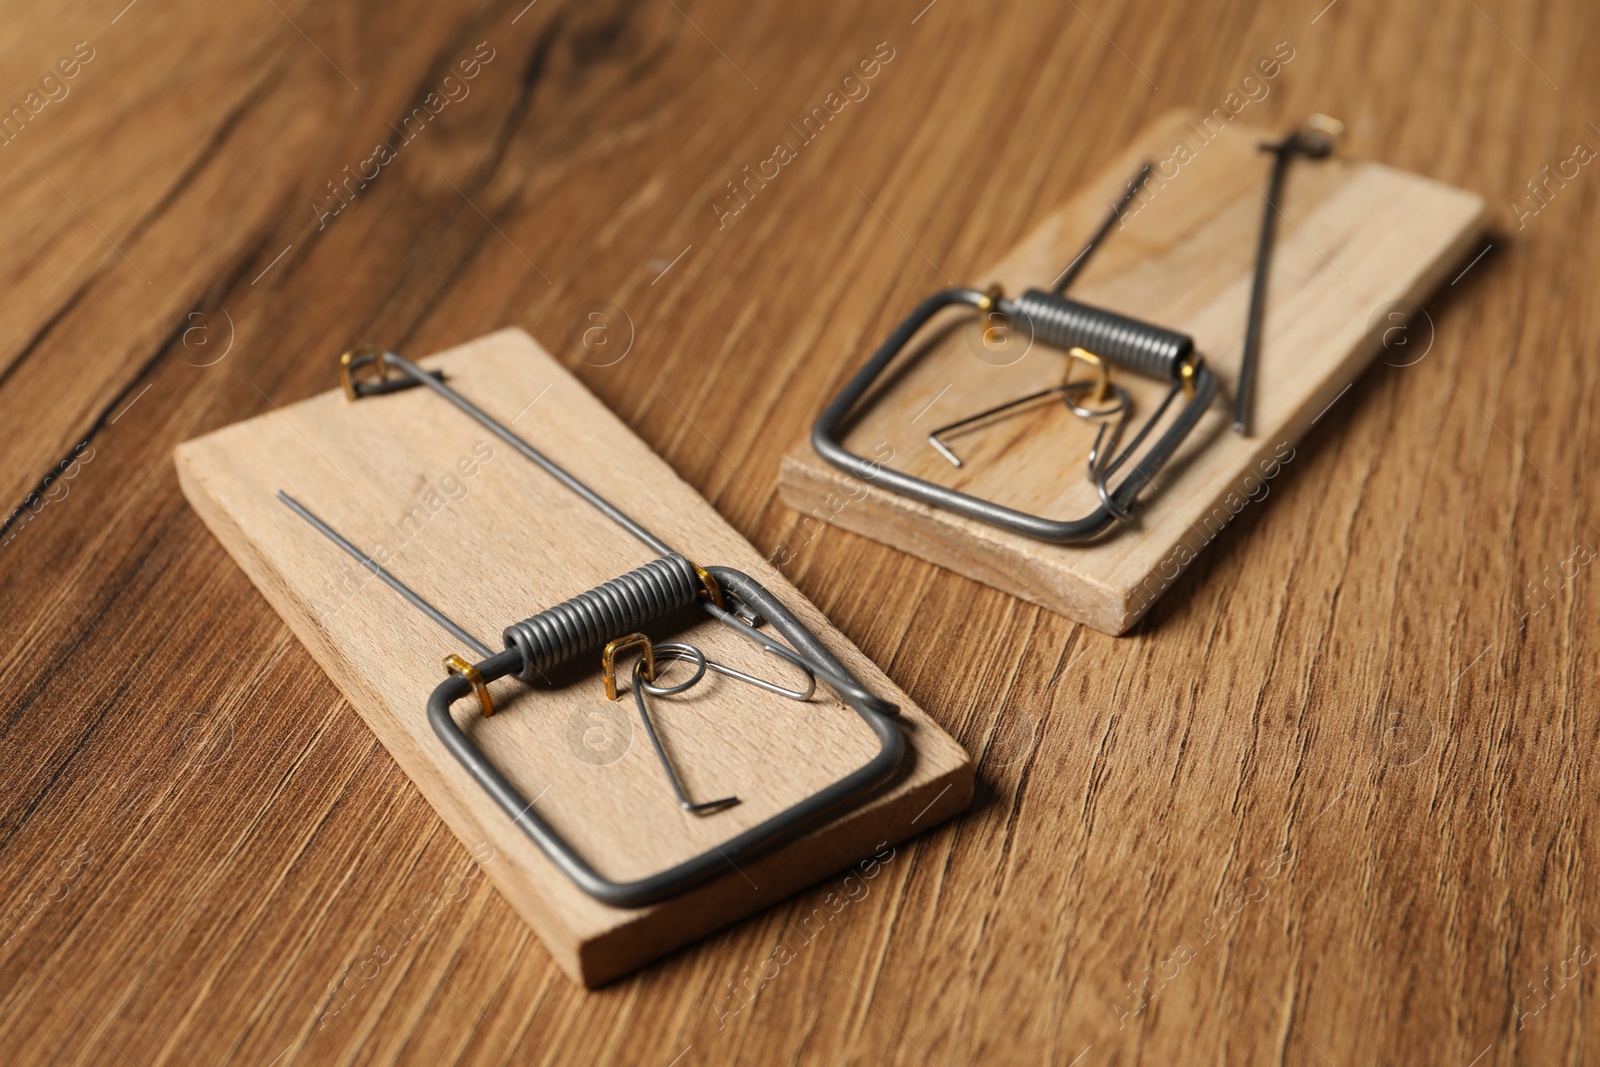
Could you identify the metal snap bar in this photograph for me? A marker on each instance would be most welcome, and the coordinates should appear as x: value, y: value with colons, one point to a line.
x: 1114, y: 339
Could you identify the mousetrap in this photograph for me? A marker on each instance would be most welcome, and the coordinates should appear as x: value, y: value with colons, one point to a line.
x: 567, y: 650
x: 963, y: 437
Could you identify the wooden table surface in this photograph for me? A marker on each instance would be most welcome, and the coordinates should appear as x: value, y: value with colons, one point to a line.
x: 1331, y: 803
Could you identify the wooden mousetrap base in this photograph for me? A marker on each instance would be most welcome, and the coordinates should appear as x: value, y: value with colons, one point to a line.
x: 490, y: 539
x: 1356, y: 242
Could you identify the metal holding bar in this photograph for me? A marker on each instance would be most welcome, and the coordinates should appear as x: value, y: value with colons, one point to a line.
x: 1316, y: 140
x: 394, y: 583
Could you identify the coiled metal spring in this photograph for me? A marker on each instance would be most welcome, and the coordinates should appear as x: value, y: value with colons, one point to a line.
x: 1127, y: 343
x: 621, y: 606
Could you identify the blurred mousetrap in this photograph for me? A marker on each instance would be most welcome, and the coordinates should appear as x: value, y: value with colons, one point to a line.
x: 738, y: 749
x: 964, y: 436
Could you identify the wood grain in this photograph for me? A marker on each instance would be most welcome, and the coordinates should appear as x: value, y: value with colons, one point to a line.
x: 489, y: 543
x: 1184, y: 263
x: 204, y: 839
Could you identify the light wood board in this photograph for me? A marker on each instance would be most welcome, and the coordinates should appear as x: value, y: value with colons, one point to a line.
x: 488, y: 538
x: 1358, y: 246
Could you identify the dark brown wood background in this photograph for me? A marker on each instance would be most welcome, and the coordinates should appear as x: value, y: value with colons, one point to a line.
x: 1332, y: 803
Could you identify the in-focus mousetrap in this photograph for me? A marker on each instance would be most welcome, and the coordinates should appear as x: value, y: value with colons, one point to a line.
x: 1073, y: 449
x: 669, y: 739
